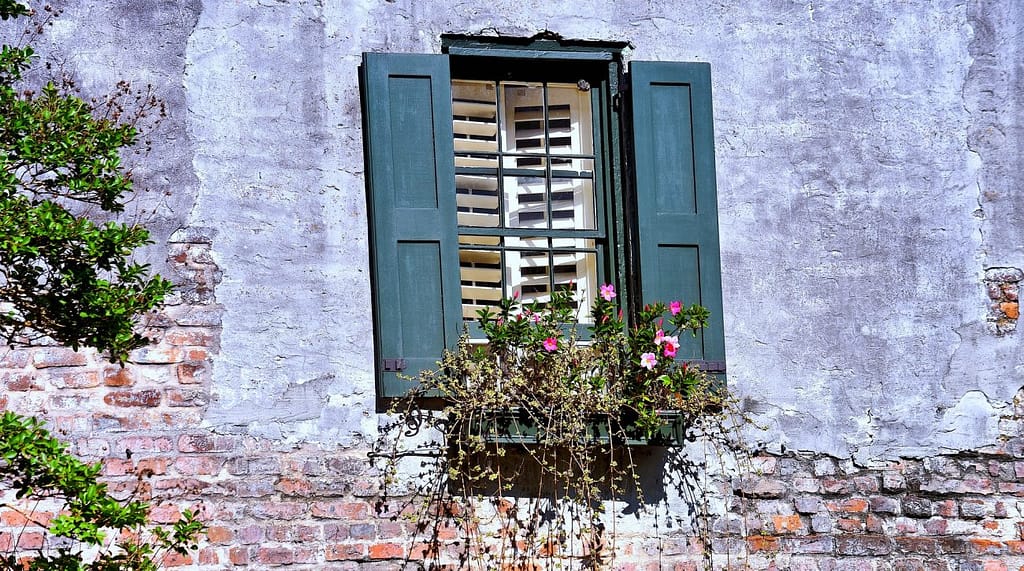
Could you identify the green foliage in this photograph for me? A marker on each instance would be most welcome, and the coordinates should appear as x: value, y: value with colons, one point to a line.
x: 533, y: 424
x: 38, y: 467
x: 64, y: 275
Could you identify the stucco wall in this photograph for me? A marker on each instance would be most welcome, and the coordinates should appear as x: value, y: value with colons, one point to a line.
x: 867, y: 170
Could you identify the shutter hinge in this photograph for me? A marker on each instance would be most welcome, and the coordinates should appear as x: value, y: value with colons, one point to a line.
x: 394, y: 365
x: 617, y: 101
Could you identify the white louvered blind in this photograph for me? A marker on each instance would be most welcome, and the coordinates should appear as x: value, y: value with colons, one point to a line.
x: 541, y: 137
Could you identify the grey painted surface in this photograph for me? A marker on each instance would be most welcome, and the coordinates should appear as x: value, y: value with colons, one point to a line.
x: 869, y: 167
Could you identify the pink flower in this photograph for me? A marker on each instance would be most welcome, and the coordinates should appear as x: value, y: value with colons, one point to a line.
x: 675, y: 307
x: 648, y: 360
x: 659, y: 337
x: 550, y: 344
x: 535, y: 317
x: 608, y: 292
x: 671, y: 345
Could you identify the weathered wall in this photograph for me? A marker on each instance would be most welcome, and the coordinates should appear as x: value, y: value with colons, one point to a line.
x: 872, y: 218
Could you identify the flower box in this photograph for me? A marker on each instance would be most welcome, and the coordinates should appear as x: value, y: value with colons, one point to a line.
x: 519, y: 427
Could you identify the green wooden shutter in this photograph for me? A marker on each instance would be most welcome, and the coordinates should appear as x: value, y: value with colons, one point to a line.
x: 410, y: 181
x: 677, y: 209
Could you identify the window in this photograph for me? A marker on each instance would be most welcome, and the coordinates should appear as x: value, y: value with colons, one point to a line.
x: 522, y: 166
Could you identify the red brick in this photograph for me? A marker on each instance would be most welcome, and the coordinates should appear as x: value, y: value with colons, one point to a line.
x: 30, y: 540
x: 117, y: 467
x: 58, y: 357
x: 986, y: 546
x: 176, y: 560
x: 341, y: 510
x: 166, y: 513
x: 192, y: 373
x: 76, y: 380
x: 20, y: 382
x: 156, y: 355
x: 151, y: 467
x: 787, y: 523
x: 208, y: 556
x: 238, y: 556
x: 118, y: 377
x: 198, y: 465
x: 863, y: 545
x: 279, y: 510
x: 283, y: 555
x: 191, y: 336
x: 386, y: 551
x: 219, y: 534
x: 917, y: 545
x: 145, y: 444
x: 205, y: 443
x: 294, y: 487
x: 190, y: 397
x: 144, y: 398
x: 758, y: 543
x: 345, y: 551
x: 14, y: 359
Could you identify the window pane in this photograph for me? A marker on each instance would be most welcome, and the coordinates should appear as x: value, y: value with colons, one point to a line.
x: 477, y: 199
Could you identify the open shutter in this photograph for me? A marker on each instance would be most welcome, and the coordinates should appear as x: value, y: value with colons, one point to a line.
x: 410, y: 181
x: 677, y: 209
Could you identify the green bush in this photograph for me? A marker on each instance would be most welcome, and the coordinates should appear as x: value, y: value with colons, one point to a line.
x: 93, y: 530
x: 64, y: 276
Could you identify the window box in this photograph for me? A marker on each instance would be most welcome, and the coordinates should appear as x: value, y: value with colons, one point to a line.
x: 520, y: 427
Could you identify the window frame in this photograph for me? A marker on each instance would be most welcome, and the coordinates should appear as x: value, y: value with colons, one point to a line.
x: 554, y: 61
x: 408, y: 142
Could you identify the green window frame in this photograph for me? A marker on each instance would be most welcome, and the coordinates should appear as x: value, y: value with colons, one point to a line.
x: 653, y: 177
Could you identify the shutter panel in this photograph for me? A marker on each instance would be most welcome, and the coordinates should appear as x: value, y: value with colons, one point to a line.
x: 410, y: 181
x: 677, y: 209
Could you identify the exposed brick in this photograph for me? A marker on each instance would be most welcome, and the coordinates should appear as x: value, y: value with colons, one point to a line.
x: 14, y: 358
x: 914, y: 506
x: 863, y: 545
x: 275, y: 556
x: 762, y: 543
x: 20, y: 382
x: 75, y: 379
x: 836, y: 486
x: 345, y: 551
x: 156, y: 355
x: 986, y: 546
x: 761, y: 487
x: 143, y: 398
x: 386, y: 551
x: 916, y: 545
x: 118, y: 377
x: 787, y: 523
x: 205, y: 443
x: 238, y: 556
x: 974, y: 509
x: 809, y: 544
x: 58, y: 357
x: 884, y: 505
x: 198, y: 465
x: 187, y: 397
x: 294, y: 487
x: 192, y: 373
x: 808, y: 505
x: 190, y: 336
x: 341, y: 510
x: 219, y: 534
